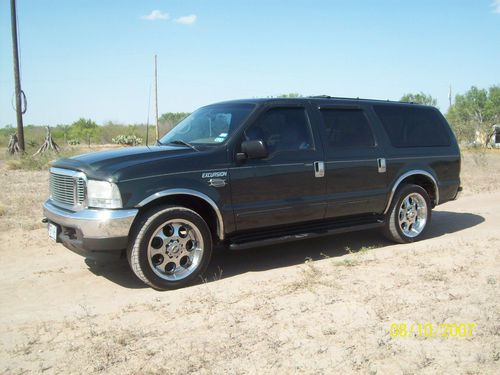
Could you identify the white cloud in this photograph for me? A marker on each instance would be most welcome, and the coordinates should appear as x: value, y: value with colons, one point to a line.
x: 156, y: 15
x: 495, y: 4
x: 187, y: 20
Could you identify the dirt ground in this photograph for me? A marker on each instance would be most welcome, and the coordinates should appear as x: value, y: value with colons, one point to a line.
x: 318, y: 306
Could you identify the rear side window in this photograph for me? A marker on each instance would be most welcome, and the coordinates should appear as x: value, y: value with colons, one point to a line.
x: 347, y: 128
x: 413, y: 126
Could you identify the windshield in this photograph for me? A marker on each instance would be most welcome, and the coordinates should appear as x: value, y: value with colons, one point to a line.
x: 209, y: 125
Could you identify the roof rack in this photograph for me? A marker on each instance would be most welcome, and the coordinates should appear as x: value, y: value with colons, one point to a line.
x: 358, y: 98
x: 320, y: 97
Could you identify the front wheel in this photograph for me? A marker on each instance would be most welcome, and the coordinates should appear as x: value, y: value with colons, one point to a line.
x: 171, y: 247
x: 409, y: 216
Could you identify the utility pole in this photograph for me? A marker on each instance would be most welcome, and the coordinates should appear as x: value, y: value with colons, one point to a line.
x: 20, y: 129
x: 156, y: 100
x: 449, y: 97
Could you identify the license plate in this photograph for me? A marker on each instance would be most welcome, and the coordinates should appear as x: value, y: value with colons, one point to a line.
x: 53, y: 232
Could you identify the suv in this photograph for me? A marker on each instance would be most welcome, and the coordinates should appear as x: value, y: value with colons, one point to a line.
x: 252, y: 172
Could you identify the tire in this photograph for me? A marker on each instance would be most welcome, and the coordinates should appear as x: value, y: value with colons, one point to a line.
x: 171, y: 247
x: 409, y: 215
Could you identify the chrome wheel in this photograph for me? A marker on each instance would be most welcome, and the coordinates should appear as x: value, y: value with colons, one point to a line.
x: 175, y: 249
x: 412, y: 215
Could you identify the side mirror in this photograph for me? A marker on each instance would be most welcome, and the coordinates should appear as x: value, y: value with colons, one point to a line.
x: 254, y: 149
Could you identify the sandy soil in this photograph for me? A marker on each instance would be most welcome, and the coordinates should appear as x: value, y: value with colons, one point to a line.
x: 316, y: 306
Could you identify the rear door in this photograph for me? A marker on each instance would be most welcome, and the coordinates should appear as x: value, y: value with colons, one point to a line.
x: 355, y: 162
x: 282, y: 188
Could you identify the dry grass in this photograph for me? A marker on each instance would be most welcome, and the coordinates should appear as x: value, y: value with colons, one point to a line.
x: 43, y: 161
x: 24, y: 187
x: 23, y: 193
x: 480, y: 171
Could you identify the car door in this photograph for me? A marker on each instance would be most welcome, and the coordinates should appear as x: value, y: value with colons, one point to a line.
x: 284, y: 187
x: 355, y: 162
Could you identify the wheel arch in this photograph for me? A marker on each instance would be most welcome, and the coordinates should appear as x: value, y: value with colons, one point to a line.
x: 201, y: 203
x: 418, y: 177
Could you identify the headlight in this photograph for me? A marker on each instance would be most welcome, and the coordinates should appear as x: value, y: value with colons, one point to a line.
x: 103, y: 194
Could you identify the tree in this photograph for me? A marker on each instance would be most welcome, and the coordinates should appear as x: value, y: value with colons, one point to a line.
x: 474, y: 113
x: 65, y: 130
x: 173, y: 117
x: 493, y: 104
x: 170, y: 119
x: 420, y: 98
x: 84, y: 129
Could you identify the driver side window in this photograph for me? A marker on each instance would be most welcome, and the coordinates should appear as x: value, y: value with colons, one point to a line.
x: 282, y: 129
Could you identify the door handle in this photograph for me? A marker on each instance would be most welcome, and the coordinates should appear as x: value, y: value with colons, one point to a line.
x: 382, y: 166
x: 319, y: 169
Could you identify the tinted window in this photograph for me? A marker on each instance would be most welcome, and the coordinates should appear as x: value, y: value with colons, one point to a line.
x: 282, y: 129
x: 347, y: 128
x: 413, y: 126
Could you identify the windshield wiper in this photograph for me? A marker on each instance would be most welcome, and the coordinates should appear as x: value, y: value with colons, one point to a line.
x: 184, y: 143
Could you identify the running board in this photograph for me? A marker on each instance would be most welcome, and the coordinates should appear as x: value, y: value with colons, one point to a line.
x: 246, y: 243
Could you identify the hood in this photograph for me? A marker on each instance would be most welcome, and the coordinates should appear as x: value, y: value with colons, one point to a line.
x: 114, y: 164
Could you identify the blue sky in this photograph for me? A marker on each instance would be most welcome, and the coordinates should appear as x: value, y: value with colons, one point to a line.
x: 94, y: 58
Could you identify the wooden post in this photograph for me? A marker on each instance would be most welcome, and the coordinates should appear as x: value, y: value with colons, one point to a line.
x: 48, y: 144
x: 17, y: 80
x: 13, y: 146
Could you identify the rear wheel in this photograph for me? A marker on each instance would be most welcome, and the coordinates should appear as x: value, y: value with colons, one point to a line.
x: 171, y: 247
x: 409, y: 216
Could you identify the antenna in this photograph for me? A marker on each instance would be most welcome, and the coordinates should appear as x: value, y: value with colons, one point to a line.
x: 147, y: 122
x: 156, y: 100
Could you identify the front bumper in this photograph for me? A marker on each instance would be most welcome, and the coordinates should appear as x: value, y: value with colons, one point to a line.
x: 91, y: 229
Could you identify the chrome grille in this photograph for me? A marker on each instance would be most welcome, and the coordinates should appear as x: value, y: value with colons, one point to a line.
x: 80, y: 190
x: 67, y: 187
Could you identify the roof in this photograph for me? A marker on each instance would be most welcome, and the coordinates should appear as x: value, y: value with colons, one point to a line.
x: 318, y: 99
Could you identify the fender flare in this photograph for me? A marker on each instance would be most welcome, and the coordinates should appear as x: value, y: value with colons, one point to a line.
x: 408, y: 174
x: 194, y: 193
